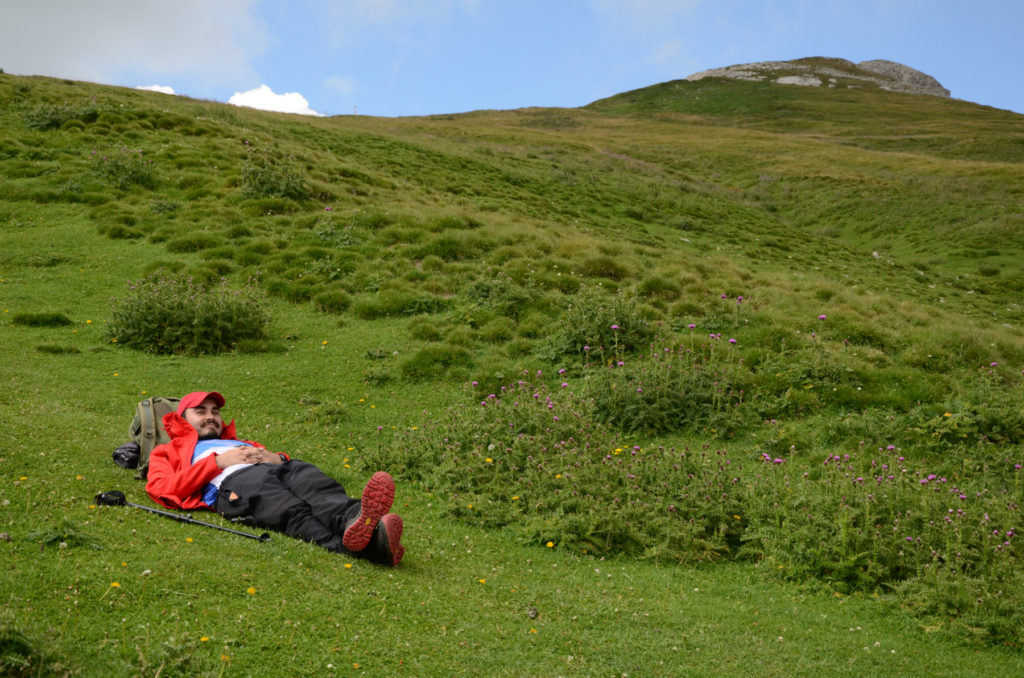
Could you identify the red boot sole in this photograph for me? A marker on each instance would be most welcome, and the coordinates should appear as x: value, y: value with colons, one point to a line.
x: 378, y: 495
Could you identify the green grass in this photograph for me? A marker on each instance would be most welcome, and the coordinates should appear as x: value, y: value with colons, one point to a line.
x: 407, y: 258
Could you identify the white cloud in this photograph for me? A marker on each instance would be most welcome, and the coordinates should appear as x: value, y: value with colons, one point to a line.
x: 265, y: 99
x: 119, y: 41
x: 164, y: 89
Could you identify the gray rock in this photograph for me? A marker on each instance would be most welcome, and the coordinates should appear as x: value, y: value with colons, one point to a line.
x: 913, y: 80
x: 887, y: 75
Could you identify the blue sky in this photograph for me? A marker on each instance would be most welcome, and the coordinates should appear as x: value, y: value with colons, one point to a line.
x: 419, y: 57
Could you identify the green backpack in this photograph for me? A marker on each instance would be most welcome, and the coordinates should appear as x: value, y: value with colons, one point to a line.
x: 146, y: 431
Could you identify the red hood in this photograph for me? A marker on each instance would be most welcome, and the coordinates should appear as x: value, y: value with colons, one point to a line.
x: 177, y: 427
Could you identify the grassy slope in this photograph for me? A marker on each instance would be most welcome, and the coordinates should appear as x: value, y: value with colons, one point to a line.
x: 780, y: 194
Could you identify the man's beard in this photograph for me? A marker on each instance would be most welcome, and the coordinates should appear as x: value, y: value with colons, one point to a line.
x: 213, y: 434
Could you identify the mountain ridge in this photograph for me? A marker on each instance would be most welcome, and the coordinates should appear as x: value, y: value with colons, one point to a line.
x: 832, y: 72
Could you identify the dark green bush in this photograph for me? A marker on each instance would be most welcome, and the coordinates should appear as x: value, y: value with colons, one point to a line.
x: 174, y: 314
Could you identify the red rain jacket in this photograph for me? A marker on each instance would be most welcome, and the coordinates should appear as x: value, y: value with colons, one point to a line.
x: 173, y: 480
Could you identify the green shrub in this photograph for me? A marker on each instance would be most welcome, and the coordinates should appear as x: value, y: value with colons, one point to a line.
x: 267, y: 176
x: 124, y: 168
x: 598, y: 324
x: 496, y: 290
x: 52, y: 116
x: 165, y: 314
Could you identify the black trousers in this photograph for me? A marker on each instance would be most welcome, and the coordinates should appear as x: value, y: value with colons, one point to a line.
x: 294, y: 497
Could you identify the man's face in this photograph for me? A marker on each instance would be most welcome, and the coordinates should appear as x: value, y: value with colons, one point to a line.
x: 205, y: 419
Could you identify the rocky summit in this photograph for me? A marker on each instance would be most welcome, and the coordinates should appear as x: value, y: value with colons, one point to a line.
x: 826, y: 72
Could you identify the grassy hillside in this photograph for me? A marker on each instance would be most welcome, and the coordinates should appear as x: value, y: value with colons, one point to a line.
x: 777, y: 329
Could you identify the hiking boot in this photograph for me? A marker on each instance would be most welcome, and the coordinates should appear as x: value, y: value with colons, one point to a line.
x: 376, y: 501
x: 386, y: 548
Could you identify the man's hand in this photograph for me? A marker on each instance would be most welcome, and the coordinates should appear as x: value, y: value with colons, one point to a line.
x: 236, y: 455
x: 261, y: 455
x: 246, y: 454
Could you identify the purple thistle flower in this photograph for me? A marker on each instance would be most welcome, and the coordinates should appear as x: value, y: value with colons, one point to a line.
x: 822, y: 317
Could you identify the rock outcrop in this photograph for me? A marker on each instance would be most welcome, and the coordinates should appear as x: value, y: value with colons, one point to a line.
x: 818, y: 72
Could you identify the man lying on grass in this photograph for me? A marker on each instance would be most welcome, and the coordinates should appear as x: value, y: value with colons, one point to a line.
x: 205, y: 466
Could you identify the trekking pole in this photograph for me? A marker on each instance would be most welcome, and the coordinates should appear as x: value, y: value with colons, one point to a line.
x: 116, y: 498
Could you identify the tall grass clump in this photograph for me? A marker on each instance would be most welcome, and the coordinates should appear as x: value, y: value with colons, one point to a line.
x: 177, y: 314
